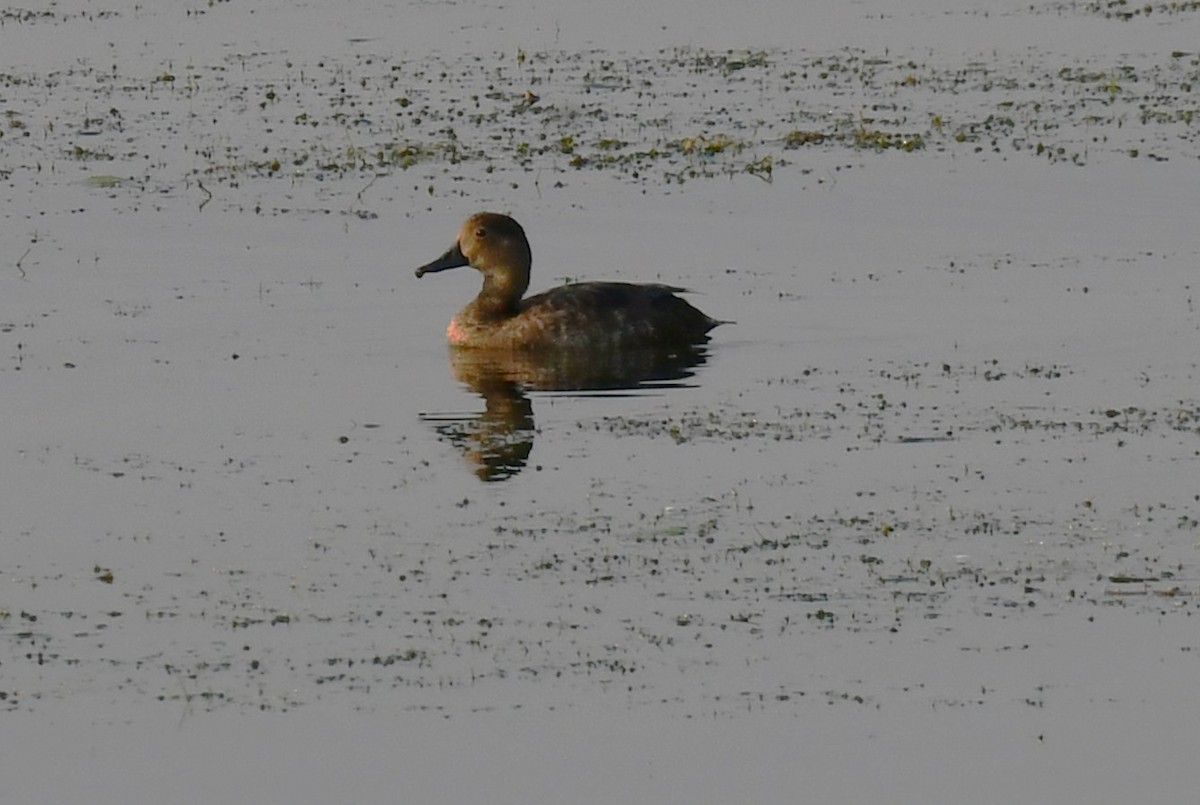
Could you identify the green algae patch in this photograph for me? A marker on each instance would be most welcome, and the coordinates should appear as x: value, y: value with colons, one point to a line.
x: 103, y: 181
x: 882, y: 140
x: 800, y: 138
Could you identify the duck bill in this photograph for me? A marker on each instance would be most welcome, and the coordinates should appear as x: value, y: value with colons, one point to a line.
x: 453, y: 258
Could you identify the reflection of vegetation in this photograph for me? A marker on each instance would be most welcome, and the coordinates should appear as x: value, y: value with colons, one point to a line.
x: 103, y: 182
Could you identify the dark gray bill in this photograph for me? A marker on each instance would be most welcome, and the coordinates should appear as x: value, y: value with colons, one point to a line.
x: 453, y: 258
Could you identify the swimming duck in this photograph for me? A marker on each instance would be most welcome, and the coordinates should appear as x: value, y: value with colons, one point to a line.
x: 584, y: 315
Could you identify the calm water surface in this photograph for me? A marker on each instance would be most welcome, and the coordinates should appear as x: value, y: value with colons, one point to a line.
x: 921, y: 521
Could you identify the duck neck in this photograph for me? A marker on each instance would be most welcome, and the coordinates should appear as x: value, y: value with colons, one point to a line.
x: 502, y: 292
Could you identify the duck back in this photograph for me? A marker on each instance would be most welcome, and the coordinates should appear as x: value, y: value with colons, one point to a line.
x: 613, y: 314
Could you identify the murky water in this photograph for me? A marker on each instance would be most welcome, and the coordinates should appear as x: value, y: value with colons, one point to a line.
x: 922, y: 521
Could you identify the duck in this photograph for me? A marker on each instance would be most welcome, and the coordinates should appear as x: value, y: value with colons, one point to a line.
x: 582, y: 315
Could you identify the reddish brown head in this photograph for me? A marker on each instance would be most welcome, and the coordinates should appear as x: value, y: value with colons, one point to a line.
x: 496, y: 246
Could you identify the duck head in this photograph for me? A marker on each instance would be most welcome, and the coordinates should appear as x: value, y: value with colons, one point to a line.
x: 495, y: 246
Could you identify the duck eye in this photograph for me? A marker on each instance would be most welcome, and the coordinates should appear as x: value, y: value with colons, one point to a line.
x: 481, y: 233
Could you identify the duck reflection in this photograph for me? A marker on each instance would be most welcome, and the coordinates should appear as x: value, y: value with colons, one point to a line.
x: 498, y: 442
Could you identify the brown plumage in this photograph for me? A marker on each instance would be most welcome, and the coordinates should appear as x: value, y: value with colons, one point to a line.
x: 585, y: 315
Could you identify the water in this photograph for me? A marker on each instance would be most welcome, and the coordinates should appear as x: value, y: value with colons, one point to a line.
x: 922, y: 521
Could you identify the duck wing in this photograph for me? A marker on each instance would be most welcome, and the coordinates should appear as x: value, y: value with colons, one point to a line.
x: 621, y: 313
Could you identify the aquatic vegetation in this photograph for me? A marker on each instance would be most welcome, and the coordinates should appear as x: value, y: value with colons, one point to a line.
x: 89, y: 155
x: 798, y: 138
x: 880, y: 140
x: 1125, y: 10
x: 657, y: 119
